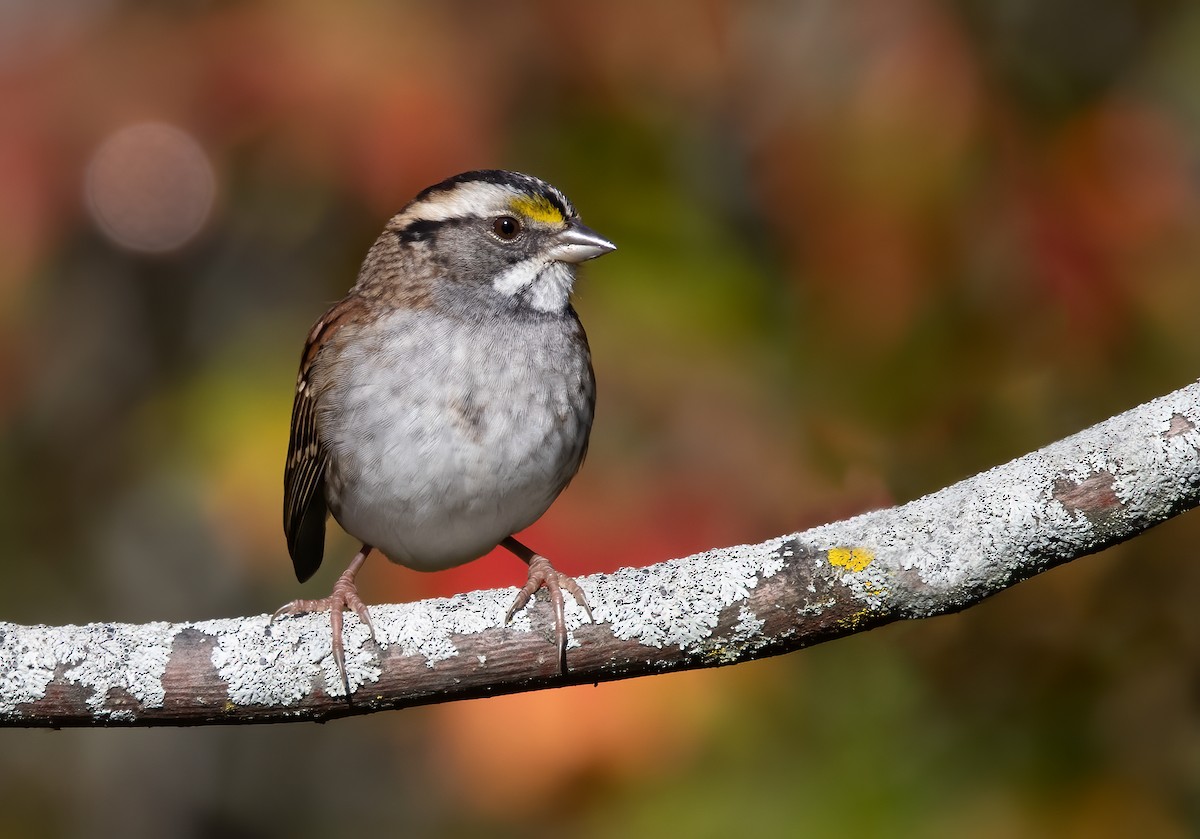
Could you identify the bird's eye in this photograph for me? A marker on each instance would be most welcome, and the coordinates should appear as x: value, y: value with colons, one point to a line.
x: 506, y: 228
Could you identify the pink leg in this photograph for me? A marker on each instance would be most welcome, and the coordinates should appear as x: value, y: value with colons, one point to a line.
x: 344, y: 596
x: 543, y: 575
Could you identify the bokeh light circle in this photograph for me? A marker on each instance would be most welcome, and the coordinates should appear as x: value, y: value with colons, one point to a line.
x: 150, y: 187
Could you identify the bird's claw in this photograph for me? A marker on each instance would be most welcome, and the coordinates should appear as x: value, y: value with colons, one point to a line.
x: 544, y: 575
x: 343, y: 597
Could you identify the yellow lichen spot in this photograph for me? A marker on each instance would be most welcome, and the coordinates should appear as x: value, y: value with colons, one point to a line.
x: 855, y: 620
x: 537, y: 208
x: 852, y: 559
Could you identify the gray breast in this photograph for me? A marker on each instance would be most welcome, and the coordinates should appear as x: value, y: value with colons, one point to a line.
x: 446, y: 436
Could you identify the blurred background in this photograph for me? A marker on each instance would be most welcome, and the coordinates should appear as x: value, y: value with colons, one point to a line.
x: 867, y: 248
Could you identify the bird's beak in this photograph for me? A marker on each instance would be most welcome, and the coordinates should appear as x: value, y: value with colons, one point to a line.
x: 577, y: 243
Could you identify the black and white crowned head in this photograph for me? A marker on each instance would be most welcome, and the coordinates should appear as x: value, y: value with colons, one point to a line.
x: 511, y: 236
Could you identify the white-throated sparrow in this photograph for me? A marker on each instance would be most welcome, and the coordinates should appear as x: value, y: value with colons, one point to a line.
x: 446, y: 401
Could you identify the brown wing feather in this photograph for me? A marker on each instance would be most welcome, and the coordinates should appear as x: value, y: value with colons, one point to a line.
x: 304, y: 508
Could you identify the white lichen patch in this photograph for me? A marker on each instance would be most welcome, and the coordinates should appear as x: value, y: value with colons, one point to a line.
x: 26, y: 665
x: 868, y: 585
x: 266, y: 663
x: 772, y: 564
x: 746, y: 636
x: 678, y: 603
x: 748, y: 626
x: 425, y: 628
x: 105, y: 658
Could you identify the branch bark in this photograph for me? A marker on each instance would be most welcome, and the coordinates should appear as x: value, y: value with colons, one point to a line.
x: 938, y: 554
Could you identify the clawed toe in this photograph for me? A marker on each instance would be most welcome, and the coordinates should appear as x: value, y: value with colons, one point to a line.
x: 343, y: 597
x: 543, y: 575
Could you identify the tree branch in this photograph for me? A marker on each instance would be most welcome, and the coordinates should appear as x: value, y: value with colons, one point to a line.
x: 941, y: 553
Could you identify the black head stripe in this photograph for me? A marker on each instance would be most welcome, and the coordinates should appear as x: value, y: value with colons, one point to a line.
x: 514, y: 180
x: 420, y: 230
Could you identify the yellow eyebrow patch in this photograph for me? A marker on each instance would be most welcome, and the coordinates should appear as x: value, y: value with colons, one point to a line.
x: 537, y: 208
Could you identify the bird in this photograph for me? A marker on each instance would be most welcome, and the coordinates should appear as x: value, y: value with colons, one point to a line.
x: 443, y: 404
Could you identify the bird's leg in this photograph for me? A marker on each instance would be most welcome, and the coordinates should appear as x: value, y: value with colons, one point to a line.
x: 344, y: 596
x: 543, y: 574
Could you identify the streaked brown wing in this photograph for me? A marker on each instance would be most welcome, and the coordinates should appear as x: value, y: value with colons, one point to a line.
x: 304, y: 509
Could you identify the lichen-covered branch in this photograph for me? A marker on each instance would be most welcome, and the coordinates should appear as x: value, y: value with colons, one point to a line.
x: 938, y: 554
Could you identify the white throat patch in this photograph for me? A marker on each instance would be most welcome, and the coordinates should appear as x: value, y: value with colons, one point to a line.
x: 549, y: 283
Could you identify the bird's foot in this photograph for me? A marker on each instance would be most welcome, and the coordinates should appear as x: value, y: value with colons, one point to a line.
x: 344, y: 597
x: 543, y: 575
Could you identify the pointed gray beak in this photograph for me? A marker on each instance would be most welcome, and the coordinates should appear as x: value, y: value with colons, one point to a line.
x: 577, y: 243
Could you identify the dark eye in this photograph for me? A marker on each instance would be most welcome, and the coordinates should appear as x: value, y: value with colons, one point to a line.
x: 506, y: 228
